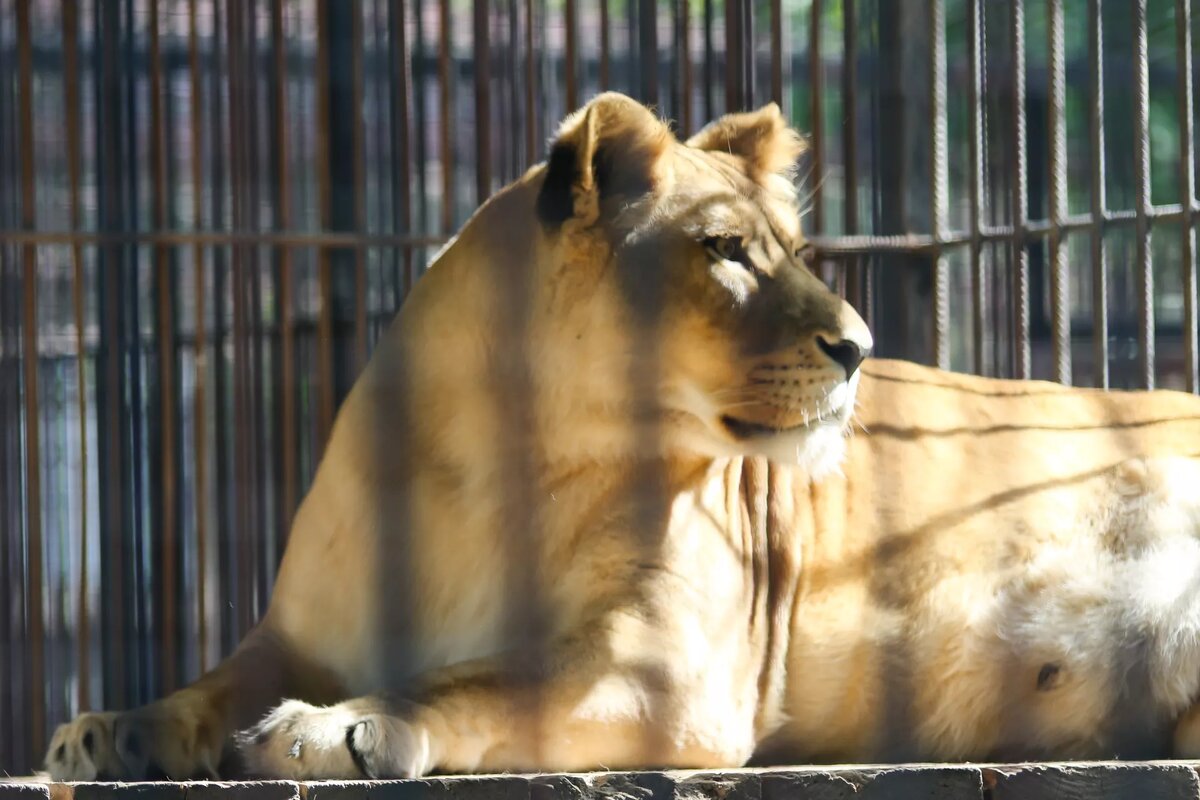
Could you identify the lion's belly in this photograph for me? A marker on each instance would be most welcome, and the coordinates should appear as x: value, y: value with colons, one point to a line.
x: 1066, y: 623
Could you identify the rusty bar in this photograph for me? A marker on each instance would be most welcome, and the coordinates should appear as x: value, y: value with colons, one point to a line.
x: 446, y: 117
x: 71, y: 98
x: 531, y: 137
x: 360, y: 192
x: 648, y: 50
x: 605, y: 43
x: 816, y: 77
x: 325, y: 400
x: 1141, y: 169
x: 975, y: 169
x: 1098, y: 199
x: 1019, y: 204
x: 570, y: 55
x: 939, y: 180
x: 166, y: 361
x: 1060, y: 277
x: 483, y: 110
x: 29, y: 380
x: 1187, y: 187
x: 287, y: 338
x: 200, y: 429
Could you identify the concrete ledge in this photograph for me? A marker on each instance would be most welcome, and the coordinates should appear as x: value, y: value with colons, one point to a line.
x: 1168, y: 780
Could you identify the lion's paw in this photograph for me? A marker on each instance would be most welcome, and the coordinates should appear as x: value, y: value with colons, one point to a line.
x: 156, y: 741
x: 304, y: 742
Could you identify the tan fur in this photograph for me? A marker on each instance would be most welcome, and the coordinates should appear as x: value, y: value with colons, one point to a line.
x: 553, y: 531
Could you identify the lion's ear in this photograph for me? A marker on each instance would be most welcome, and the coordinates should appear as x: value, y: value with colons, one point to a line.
x: 763, y: 138
x: 611, y: 147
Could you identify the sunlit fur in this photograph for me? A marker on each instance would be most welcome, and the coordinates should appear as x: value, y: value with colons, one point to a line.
x: 545, y: 536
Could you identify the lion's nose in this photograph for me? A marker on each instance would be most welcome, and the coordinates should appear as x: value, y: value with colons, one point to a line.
x: 845, y: 352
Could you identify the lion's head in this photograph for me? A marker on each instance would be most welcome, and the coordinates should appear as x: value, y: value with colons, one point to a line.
x: 663, y: 281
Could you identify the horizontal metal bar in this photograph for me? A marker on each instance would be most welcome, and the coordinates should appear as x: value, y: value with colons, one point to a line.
x: 269, y: 238
x: 924, y: 243
x: 905, y: 243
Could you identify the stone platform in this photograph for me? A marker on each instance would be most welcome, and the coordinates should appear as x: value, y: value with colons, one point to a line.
x: 1071, y: 781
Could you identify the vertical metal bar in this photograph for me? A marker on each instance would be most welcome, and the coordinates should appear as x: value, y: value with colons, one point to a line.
x: 570, y: 57
x: 816, y: 76
x: 287, y: 332
x: 777, y: 47
x: 70, y: 39
x: 854, y: 269
x: 605, y: 44
x: 1060, y: 287
x: 975, y: 168
x: 200, y: 427
x: 29, y: 380
x: 255, y: 345
x: 1099, y: 202
x: 850, y: 112
x: 734, y: 83
x: 939, y: 180
x: 141, y: 596
x: 683, y: 38
x: 1187, y: 188
x: 1141, y: 170
x: 238, y: 285
x: 113, y: 393
x: 219, y: 176
x: 1019, y: 195
x: 709, y: 70
x: 531, y: 136
x: 749, y: 52
x: 511, y: 127
x: 483, y: 110
x: 324, y: 267
x: 420, y: 120
x: 401, y: 94
x: 360, y: 192
x: 446, y: 126
x: 166, y: 363
x: 648, y: 50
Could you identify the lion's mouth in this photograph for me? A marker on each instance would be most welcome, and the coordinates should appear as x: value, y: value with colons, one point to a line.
x: 743, y: 429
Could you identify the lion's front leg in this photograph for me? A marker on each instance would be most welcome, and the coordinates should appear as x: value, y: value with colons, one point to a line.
x: 591, y: 712
x: 185, y: 734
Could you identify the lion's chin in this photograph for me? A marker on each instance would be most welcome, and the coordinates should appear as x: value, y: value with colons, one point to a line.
x: 817, y: 448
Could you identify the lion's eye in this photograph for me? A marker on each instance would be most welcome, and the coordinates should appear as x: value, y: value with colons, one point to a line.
x: 807, y: 254
x: 725, y: 247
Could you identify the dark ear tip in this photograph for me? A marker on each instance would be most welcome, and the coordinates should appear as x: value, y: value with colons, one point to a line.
x: 555, y: 204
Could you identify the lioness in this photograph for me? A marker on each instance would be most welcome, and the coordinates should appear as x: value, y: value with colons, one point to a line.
x: 598, y: 502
